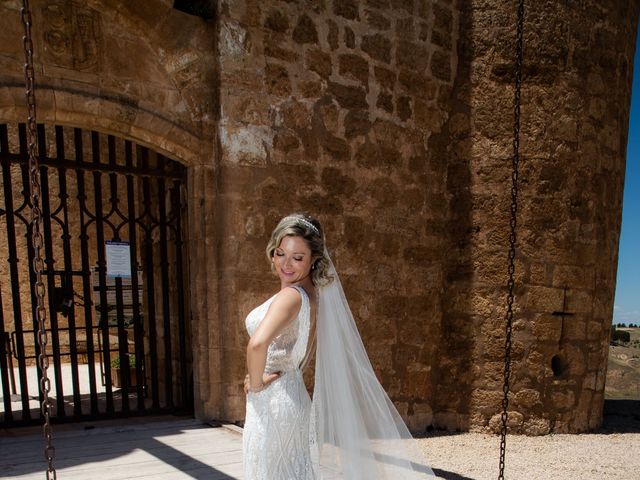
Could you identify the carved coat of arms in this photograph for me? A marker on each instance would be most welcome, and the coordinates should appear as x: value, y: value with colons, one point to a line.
x: 71, y: 35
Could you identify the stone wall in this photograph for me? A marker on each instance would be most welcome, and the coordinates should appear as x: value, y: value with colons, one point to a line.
x: 329, y: 108
x: 576, y: 92
x: 427, y: 239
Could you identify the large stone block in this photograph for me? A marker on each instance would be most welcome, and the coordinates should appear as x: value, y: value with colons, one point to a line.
x: 305, y: 31
x: 515, y: 421
x: 412, y: 56
x: 418, y: 85
x: 347, y: 9
x: 318, y: 61
x: 563, y: 400
x: 536, y: 426
x: 277, y: 21
x: 277, y: 80
x: 422, y: 415
x: 441, y: 65
x: 377, y: 46
x: 348, y: 96
x: 355, y: 67
x: 377, y: 20
x: 245, y: 145
x: 275, y: 46
x: 544, y: 299
x: 547, y: 328
x: 527, y: 398
x: 486, y: 401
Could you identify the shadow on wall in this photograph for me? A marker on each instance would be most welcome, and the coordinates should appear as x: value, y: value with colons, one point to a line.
x: 453, y: 384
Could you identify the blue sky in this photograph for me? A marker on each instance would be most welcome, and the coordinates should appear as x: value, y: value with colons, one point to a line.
x: 627, y: 301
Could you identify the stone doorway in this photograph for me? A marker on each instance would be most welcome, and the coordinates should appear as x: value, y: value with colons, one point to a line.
x: 114, y: 223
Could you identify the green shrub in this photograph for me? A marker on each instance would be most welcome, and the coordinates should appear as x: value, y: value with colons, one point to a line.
x: 620, y: 336
x: 115, y: 361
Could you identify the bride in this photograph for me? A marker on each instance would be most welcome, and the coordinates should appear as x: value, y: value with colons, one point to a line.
x: 351, y: 430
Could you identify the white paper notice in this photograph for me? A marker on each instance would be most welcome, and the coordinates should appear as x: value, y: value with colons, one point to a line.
x: 118, y: 259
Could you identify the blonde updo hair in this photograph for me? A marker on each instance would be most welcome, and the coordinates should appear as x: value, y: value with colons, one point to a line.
x: 308, y: 228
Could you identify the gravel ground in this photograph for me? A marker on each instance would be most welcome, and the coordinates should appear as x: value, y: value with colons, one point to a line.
x: 612, y: 452
x: 475, y: 456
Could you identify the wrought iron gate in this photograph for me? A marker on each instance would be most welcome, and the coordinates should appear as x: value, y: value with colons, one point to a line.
x: 115, y: 276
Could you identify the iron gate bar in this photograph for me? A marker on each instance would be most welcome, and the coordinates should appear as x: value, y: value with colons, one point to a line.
x: 62, y: 353
x: 146, y: 216
x: 9, y: 353
x: 5, y: 361
x: 123, y: 341
x: 67, y: 274
x: 103, y: 168
x: 164, y: 266
x: 177, y: 207
x: 7, y: 213
x: 49, y: 263
x: 133, y: 243
x: 13, y: 268
x: 61, y: 273
x: 86, y: 269
x: 4, y: 366
x: 102, y: 268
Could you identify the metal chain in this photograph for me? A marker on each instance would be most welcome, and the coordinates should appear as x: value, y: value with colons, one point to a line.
x: 36, y: 237
x: 512, y: 237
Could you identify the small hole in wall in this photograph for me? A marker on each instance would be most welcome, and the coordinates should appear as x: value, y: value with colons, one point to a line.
x: 558, y: 365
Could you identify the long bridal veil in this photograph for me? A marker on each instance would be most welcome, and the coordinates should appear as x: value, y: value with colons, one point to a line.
x: 360, y: 434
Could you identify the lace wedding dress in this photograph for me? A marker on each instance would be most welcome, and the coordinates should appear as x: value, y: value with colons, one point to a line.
x: 277, y: 441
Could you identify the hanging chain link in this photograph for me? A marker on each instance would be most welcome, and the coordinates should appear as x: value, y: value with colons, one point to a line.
x: 37, y: 240
x: 512, y: 237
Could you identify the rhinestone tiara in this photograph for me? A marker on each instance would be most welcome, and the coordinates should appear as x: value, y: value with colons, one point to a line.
x: 307, y: 224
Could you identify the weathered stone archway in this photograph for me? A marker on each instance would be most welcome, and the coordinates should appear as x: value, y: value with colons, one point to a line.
x: 113, y: 116
x: 115, y: 71
x: 119, y: 72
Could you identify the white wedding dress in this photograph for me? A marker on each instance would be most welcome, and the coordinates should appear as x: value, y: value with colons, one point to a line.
x: 277, y: 441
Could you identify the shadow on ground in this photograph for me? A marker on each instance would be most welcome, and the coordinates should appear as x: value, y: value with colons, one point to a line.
x: 620, y: 416
x: 76, y: 448
x: 449, y: 475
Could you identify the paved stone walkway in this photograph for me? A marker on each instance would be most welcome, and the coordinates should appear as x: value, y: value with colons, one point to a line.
x: 176, y: 448
x: 159, y: 450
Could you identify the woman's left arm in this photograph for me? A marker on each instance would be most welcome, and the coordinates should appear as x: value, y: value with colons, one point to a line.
x: 282, y: 311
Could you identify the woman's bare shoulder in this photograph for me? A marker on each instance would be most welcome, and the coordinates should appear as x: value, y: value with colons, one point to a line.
x: 287, y: 300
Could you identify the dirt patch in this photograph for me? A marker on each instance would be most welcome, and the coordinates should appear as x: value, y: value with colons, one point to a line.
x: 609, y: 453
x: 623, y: 371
